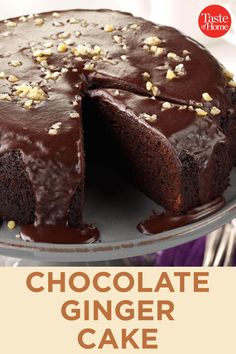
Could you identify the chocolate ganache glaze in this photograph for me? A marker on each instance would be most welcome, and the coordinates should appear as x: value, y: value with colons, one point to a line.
x: 59, y: 234
x: 157, y: 223
x: 170, y: 95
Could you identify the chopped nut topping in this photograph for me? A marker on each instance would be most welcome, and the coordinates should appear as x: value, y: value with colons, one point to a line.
x: 11, y: 224
x: 56, y: 125
x: 123, y: 57
x: 148, y: 117
x: 69, y: 41
x: 198, y: 104
x: 134, y: 26
x: 62, y: 48
x: 13, y: 78
x: 166, y: 105
x: 84, y: 23
x: 200, y: 112
x: 232, y: 83
x: 77, y: 52
x: 64, y: 35
x: 54, y: 128
x: 78, y: 34
x: 207, y: 97
x: 39, y: 21
x: 5, y: 97
x: 2, y: 75
x: 181, y: 108
x: 116, y: 93
x: 74, y: 115
x: 41, y: 60
x: 89, y: 66
x: 30, y: 92
x: 15, y: 63
x: 180, y: 70
x: 215, y: 111
x: 146, y: 75
x: 48, y: 44
x: 149, y: 85
x: 58, y: 24
x: 170, y: 75
x: 52, y: 36
x: 52, y: 76
x: 23, y: 19
x: 74, y: 21
x: 187, y: 58
x: 228, y: 74
x: 163, y: 67
x: 109, y: 28
x: 11, y: 24
x: 117, y: 39
x: 155, y: 91
x: 64, y: 70
x: 56, y: 14
x: 159, y: 51
x: 53, y: 131
x: 42, y: 52
x: 28, y: 104
x: 146, y: 47
x: 36, y: 94
x: 152, y: 41
x: 173, y: 56
x: 153, y: 48
x: 185, y: 52
x: 86, y: 50
x: 97, y: 49
x: 6, y: 34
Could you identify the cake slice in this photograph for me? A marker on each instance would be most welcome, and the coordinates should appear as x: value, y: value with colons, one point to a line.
x: 177, y: 155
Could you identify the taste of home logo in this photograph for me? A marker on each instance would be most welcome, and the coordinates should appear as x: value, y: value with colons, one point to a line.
x: 214, y: 21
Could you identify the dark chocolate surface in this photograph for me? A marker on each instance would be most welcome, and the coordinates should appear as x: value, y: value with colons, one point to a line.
x: 49, y: 61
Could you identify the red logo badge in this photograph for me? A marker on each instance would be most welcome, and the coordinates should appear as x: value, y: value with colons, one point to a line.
x: 214, y: 21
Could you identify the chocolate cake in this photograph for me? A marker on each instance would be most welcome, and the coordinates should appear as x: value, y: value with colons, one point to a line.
x: 167, y: 103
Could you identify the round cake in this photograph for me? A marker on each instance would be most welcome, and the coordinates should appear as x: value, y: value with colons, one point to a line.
x: 166, y: 102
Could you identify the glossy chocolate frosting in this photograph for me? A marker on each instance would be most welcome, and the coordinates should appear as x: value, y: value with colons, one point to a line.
x: 49, y: 61
x: 182, y: 129
x: 59, y: 234
x: 157, y: 223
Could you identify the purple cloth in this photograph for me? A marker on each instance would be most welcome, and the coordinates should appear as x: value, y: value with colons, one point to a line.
x: 189, y: 254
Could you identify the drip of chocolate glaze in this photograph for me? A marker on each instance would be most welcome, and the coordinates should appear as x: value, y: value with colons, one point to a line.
x: 59, y: 234
x: 167, y: 221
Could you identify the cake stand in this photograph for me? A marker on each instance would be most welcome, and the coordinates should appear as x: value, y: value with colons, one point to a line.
x: 117, y: 212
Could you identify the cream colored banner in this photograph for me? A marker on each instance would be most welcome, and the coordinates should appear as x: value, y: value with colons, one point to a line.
x: 142, y: 310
